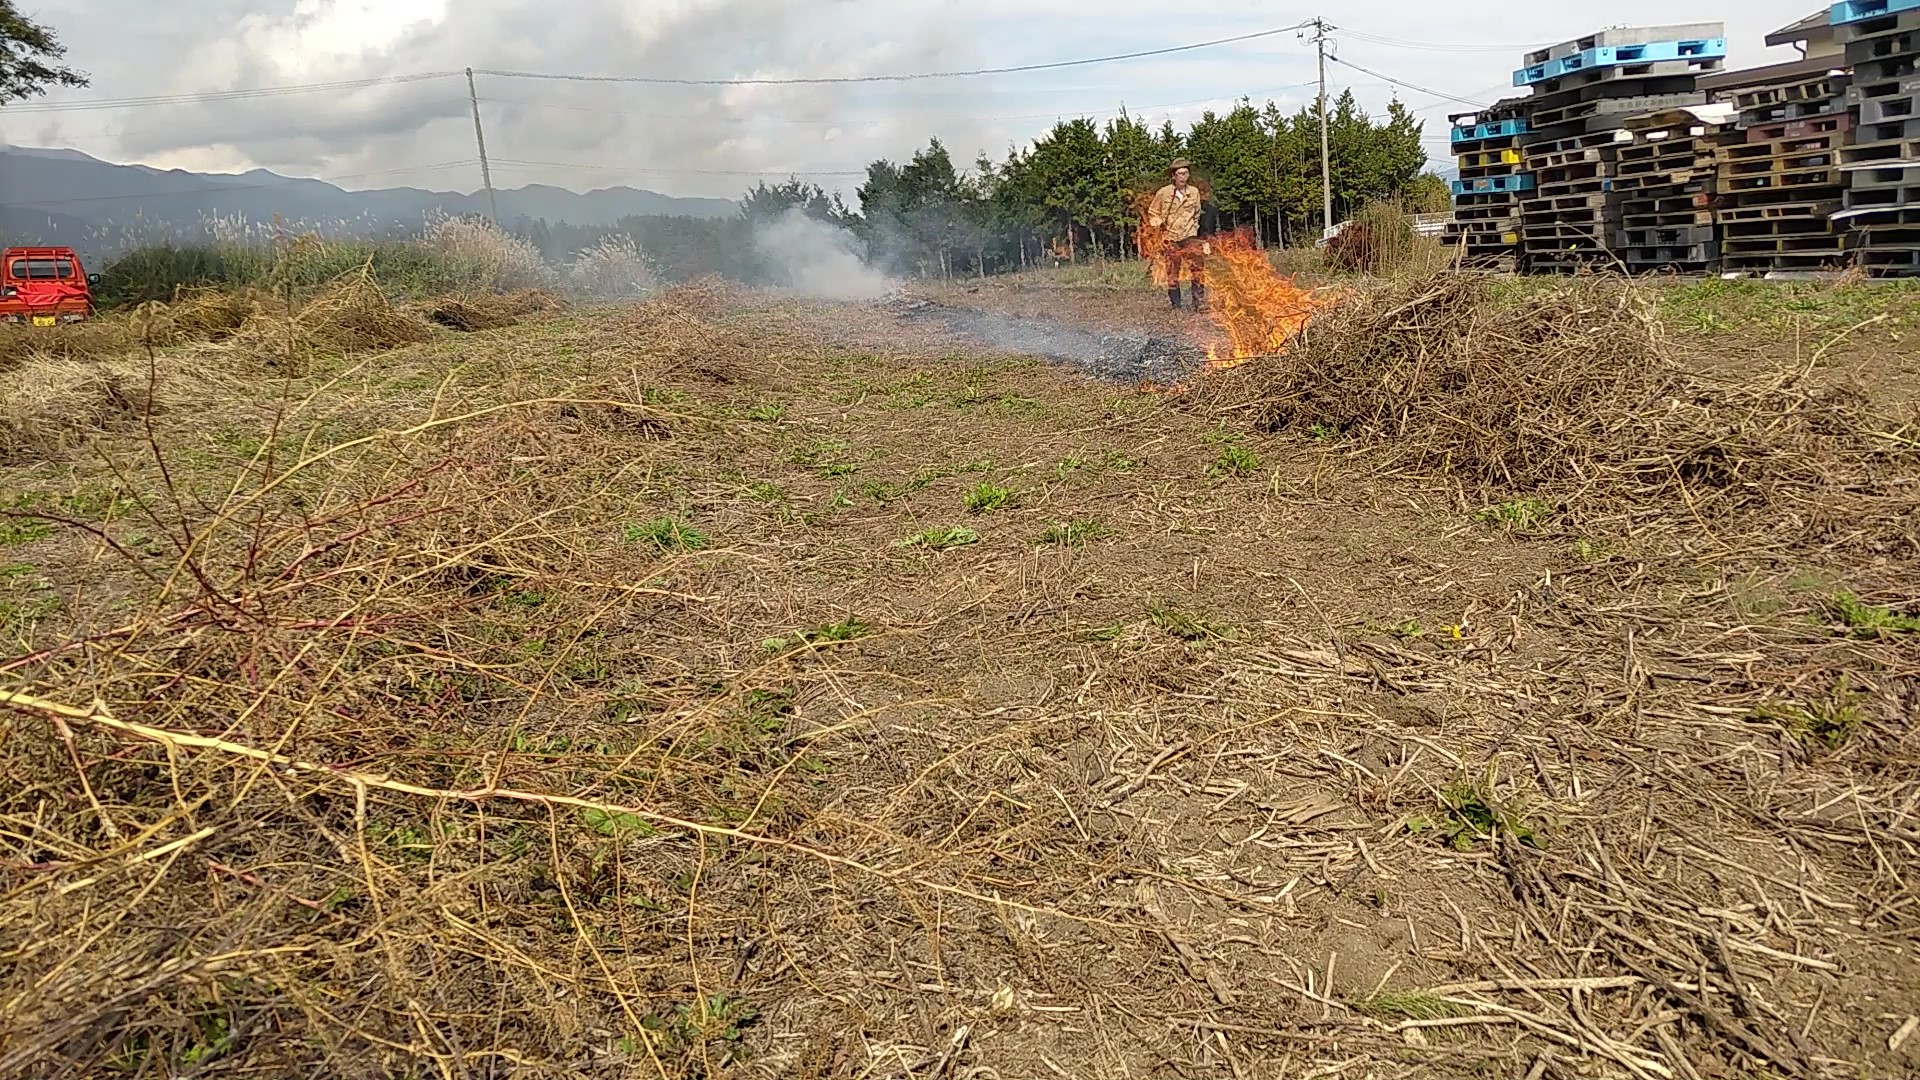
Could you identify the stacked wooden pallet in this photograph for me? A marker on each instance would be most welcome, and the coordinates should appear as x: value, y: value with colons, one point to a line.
x: 1662, y: 185
x: 1565, y: 222
x: 1486, y: 197
x: 1779, y: 181
x: 1584, y: 93
x: 1881, y: 161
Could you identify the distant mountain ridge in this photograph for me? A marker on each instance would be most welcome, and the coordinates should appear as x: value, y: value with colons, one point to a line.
x: 66, y: 197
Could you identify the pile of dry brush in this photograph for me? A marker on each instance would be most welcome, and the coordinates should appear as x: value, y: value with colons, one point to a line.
x: 1576, y: 397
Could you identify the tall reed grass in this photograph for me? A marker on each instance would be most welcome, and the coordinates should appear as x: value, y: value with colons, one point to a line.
x: 449, y: 255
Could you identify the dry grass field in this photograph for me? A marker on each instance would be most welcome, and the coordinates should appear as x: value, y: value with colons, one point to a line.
x: 1508, y: 681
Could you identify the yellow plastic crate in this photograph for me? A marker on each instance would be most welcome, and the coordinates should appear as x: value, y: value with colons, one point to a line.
x: 1510, y: 156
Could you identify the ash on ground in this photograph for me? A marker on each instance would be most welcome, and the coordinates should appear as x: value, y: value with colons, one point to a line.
x: 1125, y: 358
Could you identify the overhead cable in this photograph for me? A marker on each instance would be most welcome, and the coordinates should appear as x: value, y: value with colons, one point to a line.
x: 97, y: 104
x: 909, y: 77
x: 1410, y: 86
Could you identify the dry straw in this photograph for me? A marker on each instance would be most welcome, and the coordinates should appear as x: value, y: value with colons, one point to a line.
x: 417, y: 747
x: 1572, y: 393
x: 55, y: 391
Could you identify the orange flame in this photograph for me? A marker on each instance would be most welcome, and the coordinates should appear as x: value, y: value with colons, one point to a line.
x: 1259, y: 309
x: 1256, y: 308
x: 1151, y: 239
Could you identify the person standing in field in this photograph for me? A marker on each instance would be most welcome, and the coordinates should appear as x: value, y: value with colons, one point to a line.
x: 1176, y: 211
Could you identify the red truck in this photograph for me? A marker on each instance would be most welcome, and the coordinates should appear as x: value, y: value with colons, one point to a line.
x: 44, y: 286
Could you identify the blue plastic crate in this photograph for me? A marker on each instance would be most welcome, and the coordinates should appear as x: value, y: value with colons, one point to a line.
x: 1516, y: 182
x: 1499, y: 129
x: 1855, y: 10
x: 1650, y: 53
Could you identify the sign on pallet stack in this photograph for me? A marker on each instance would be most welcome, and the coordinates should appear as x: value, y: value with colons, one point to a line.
x: 1486, y: 197
x: 1584, y: 92
x: 1778, y: 181
x: 1881, y: 163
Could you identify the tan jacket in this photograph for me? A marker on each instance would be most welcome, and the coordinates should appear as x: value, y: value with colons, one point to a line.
x: 1179, y: 215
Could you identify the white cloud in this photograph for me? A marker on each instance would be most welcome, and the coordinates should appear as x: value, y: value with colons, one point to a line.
x: 667, y: 137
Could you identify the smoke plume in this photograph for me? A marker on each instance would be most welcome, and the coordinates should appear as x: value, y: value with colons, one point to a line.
x: 818, y: 258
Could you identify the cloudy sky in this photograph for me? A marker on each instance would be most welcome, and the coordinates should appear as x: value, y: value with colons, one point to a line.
x: 708, y: 140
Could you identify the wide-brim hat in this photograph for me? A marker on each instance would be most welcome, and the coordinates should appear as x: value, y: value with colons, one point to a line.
x: 1178, y: 164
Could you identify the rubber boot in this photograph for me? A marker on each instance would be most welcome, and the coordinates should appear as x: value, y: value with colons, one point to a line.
x: 1199, y: 297
x: 1173, y: 296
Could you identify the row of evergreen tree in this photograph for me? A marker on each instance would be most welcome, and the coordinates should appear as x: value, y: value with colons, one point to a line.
x: 1071, y: 195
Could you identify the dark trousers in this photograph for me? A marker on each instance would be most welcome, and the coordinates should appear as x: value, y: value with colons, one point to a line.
x: 1185, y: 258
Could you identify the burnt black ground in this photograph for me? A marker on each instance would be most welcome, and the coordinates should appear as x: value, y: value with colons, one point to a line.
x: 1123, y: 358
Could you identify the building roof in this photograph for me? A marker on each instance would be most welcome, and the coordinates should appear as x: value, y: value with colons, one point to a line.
x: 1814, y: 25
x: 1805, y: 69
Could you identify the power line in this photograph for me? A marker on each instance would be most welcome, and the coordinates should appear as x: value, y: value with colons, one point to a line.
x: 278, y: 91
x: 1494, y: 89
x: 250, y: 93
x: 1440, y: 46
x: 604, y: 111
x: 896, y: 117
x: 97, y: 104
x: 1132, y: 109
x: 1407, y: 85
x: 253, y: 93
x: 913, y: 77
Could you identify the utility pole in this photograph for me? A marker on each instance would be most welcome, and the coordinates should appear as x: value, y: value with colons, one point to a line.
x: 1320, y: 29
x: 486, y: 171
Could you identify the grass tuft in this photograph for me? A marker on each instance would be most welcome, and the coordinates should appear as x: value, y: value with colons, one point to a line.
x: 668, y: 534
x: 1519, y: 515
x: 940, y: 538
x: 1393, y: 1005
x: 1188, y: 627
x: 1471, y: 813
x: 22, y: 529
x: 1073, y: 533
x: 1826, y: 724
x: 851, y: 628
x: 1863, y: 620
x: 986, y: 497
x: 616, y: 823
x: 1234, y: 460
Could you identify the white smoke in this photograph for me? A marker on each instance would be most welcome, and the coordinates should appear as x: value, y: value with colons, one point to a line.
x: 818, y: 258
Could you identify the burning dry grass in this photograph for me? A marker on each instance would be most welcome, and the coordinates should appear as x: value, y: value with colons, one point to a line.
x: 1453, y: 379
x: 588, y: 718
